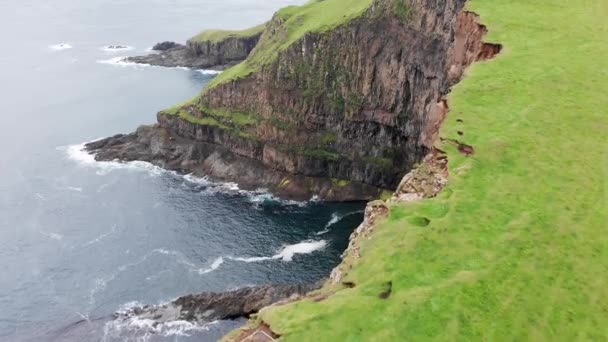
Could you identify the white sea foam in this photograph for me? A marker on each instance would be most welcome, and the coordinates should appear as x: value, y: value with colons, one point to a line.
x: 306, y: 247
x: 59, y: 47
x: 54, y: 236
x: 85, y: 159
x: 209, y: 72
x: 335, y: 218
x: 253, y: 259
x: 214, y: 266
x: 258, y: 197
x: 101, y: 237
x: 287, y: 253
x: 119, y: 61
x: 123, y: 62
x: 73, y: 188
x: 117, y: 48
x: 134, y: 328
x: 262, y: 196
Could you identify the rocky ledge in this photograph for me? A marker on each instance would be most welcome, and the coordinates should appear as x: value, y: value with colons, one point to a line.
x: 208, y: 307
x: 209, y: 50
x: 158, y: 144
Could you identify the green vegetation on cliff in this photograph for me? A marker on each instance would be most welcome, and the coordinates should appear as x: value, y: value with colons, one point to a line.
x: 215, y: 36
x: 296, y: 21
x: 515, y: 248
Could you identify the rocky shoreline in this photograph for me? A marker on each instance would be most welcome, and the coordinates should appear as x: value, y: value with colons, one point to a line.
x: 159, y: 145
x: 208, y: 307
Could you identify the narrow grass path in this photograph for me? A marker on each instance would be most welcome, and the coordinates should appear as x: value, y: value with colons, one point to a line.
x: 517, y: 245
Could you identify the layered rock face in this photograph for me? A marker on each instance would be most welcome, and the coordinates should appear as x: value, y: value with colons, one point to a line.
x: 343, y: 114
x: 204, y: 54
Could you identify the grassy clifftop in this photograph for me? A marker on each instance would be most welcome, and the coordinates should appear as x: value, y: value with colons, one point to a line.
x: 296, y: 21
x: 215, y: 36
x: 516, y: 248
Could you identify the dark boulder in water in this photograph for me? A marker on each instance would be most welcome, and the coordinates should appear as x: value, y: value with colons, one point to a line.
x: 164, y: 46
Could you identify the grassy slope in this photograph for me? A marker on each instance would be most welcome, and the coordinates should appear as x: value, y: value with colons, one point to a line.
x: 517, y: 248
x: 215, y: 36
x: 314, y: 16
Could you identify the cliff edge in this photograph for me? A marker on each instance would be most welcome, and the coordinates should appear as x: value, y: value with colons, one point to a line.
x: 335, y: 101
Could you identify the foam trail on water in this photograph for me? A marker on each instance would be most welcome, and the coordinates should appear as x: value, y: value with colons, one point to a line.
x: 335, y: 218
x: 262, y: 196
x: 287, y: 253
x: 253, y: 259
x: 214, y: 266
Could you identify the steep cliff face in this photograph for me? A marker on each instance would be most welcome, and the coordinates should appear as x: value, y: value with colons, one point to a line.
x: 208, y: 50
x: 353, y: 103
x: 344, y: 112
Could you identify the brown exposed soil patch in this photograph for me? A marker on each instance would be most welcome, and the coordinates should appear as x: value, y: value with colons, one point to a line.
x: 489, y: 51
x: 462, y: 148
x: 261, y: 333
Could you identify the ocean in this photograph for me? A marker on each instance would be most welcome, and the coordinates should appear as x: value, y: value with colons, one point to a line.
x: 81, y: 240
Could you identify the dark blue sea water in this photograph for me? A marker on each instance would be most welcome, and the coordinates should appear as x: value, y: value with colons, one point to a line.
x: 80, y: 240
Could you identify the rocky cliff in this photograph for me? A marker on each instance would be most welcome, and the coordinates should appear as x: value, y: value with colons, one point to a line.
x: 342, y: 110
x: 215, y: 49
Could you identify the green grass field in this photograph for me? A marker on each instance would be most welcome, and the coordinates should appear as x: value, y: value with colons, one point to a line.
x: 215, y: 36
x: 517, y: 244
x: 314, y: 16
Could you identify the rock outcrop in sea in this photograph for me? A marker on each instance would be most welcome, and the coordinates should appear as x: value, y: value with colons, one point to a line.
x: 209, y: 50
